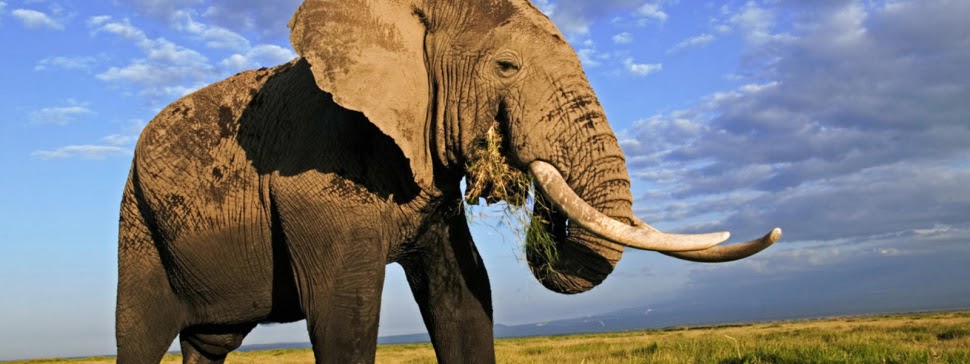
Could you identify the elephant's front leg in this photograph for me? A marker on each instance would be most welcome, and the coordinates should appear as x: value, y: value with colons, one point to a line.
x: 343, y: 326
x: 341, y: 296
x: 338, y: 263
x: 451, y: 287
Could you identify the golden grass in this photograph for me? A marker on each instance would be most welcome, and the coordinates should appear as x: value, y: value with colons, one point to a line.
x: 490, y: 176
x: 915, y: 338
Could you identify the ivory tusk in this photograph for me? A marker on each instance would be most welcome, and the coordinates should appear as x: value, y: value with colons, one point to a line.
x: 551, y: 183
x: 727, y: 253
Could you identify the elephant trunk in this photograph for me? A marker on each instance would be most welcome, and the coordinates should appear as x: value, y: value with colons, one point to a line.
x: 565, y: 256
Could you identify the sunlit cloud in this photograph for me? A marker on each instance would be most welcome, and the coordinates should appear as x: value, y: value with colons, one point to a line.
x: 66, y: 63
x: 83, y: 151
x: 642, y: 69
x: 623, y: 38
x: 692, y: 42
x: 576, y: 16
x: 167, y: 70
x: 261, y: 55
x: 34, y: 19
x: 60, y: 115
x: 265, y: 21
x: 652, y: 11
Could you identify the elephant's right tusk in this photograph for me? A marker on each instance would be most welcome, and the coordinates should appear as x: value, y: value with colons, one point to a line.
x: 551, y: 183
x: 727, y: 253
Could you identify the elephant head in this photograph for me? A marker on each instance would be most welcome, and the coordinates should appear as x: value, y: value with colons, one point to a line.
x: 439, y: 77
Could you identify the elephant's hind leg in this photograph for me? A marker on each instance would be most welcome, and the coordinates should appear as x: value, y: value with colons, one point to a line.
x: 148, y: 317
x: 211, y: 344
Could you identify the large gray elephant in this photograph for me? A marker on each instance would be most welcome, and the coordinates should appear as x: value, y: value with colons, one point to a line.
x: 281, y: 194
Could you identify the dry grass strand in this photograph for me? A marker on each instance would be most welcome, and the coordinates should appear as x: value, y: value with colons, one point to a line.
x: 490, y: 176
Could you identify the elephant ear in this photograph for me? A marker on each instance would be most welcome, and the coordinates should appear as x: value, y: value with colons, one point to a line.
x: 370, y: 56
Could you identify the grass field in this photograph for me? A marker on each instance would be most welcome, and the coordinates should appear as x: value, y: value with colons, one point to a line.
x: 915, y: 338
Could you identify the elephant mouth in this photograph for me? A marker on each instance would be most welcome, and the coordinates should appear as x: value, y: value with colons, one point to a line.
x: 640, y: 235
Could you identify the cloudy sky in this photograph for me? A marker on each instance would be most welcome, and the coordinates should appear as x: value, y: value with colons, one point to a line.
x: 846, y: 123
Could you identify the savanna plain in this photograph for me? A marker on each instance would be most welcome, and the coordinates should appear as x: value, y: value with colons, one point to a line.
x: 942, y: 337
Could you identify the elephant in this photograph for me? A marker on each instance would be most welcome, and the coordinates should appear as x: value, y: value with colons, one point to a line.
x: 281, y: 194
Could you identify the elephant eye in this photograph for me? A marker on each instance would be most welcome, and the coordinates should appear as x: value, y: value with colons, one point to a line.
x: 507, y: 68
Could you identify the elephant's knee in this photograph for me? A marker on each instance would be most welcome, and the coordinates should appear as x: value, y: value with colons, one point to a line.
x: 211, y: 345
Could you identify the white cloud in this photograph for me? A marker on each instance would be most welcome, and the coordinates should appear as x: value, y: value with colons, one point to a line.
x: 271, y: 55
x: 162, y: 9
x: 591, y: 57
x: 623, y: 38
x: 114, y: 145
x: 120, y: 139
x: 165, y: 51
x: 34, y: 19
x: 61, y: 115
x: 182, y: 90
x: 83, y: 151
x: 136, y: 72
x: 159, y: 78
x: 236, y: 62
x: 98, y: 20
x: 575, y: 16
x: 214, y: 36
x: 757, y: 24
x: 652, y: 11
x: 167, y: 69
x: 222, y: 38
x: 68, y: 63
x: 263, y: 55
x: 692, y: 42
x: 266, y: 20
x: 942, y: 232
x: 122, y: 29
x: 128, y: 136
x: 640, y: 69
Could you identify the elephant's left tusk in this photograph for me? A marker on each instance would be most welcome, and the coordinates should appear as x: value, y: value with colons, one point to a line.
x: 551, y: 183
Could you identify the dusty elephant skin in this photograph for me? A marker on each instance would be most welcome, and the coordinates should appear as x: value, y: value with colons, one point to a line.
x: 281, y: 194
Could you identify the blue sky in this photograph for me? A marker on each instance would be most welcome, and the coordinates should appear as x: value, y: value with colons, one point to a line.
x: 844, y: 122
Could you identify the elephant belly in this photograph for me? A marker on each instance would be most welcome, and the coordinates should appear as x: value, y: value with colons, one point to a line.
x: 217, y: 250
x: 225, y: 274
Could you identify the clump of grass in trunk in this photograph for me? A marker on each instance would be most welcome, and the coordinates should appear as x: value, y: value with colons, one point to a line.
x: 539, y: 241
x: 490, y: 176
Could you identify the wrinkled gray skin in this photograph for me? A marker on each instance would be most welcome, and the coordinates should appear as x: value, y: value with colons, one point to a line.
x: 281, y: 194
